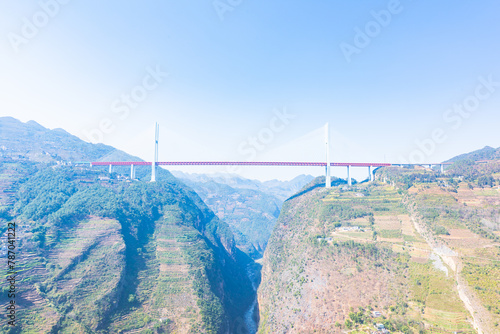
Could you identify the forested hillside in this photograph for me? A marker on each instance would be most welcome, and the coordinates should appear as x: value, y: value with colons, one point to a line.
x: 103, y: 256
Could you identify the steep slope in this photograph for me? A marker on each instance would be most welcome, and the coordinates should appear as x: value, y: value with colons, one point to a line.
x: 124, y: 257
x: 313, y: 277
x: 251, y: 214
x: 338, y: 255
x: 10, y: 175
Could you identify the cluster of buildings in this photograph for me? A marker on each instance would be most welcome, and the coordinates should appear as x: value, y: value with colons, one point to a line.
x: 380, y: 328
x: 349, y: 229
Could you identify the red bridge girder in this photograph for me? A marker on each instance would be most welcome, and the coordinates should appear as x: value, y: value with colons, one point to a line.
x: 238, y: 163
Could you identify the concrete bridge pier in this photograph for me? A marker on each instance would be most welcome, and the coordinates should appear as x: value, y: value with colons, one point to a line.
x: 442, y: 168
x: 132, y: 172
x: 371, y: 175
x: 328, y: 178
x: 110, y: 169
x: 349, y: 179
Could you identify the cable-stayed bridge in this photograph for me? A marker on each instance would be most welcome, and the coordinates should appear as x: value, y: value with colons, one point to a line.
x: 372, y: 166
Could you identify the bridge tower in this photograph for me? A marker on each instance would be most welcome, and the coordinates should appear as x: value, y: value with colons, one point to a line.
x: 328, y: 182
x: 155, y: 158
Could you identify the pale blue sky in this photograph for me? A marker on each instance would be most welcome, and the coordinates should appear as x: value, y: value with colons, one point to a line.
x: 225, y: 77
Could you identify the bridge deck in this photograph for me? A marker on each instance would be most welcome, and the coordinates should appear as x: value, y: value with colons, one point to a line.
x: 249, y: 163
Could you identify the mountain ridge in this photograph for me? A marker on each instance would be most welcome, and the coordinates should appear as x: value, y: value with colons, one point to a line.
x: 485, y: 153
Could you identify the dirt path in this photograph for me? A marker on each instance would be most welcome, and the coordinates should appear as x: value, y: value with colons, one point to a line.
x: 479, y: 315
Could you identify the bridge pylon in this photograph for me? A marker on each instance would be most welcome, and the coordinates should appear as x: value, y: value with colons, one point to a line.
x: 328, y: 178
x: 155, y: 157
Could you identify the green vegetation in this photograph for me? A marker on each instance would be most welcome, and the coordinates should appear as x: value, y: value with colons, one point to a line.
x: 434, y: 293
x: 459, y: 210
x: 308, y: 249
x: 96, y: 260
x: 335, y: 212
x: 106, y: 255
x: 485, y: 279
x: 390, y: 234
x: 360, y: 239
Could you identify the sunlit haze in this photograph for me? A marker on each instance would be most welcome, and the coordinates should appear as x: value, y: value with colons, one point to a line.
x: 397, y: 81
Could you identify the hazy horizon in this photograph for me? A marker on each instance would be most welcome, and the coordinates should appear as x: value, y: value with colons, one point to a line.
x: 252, y: 81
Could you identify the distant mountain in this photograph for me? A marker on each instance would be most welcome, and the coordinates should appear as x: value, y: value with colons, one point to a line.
x: 486, y: 153
x: 37, y: 143
x: 32, y: 142
x: 280, y: 189
x: 284, y: 189
x: 250, y: 207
